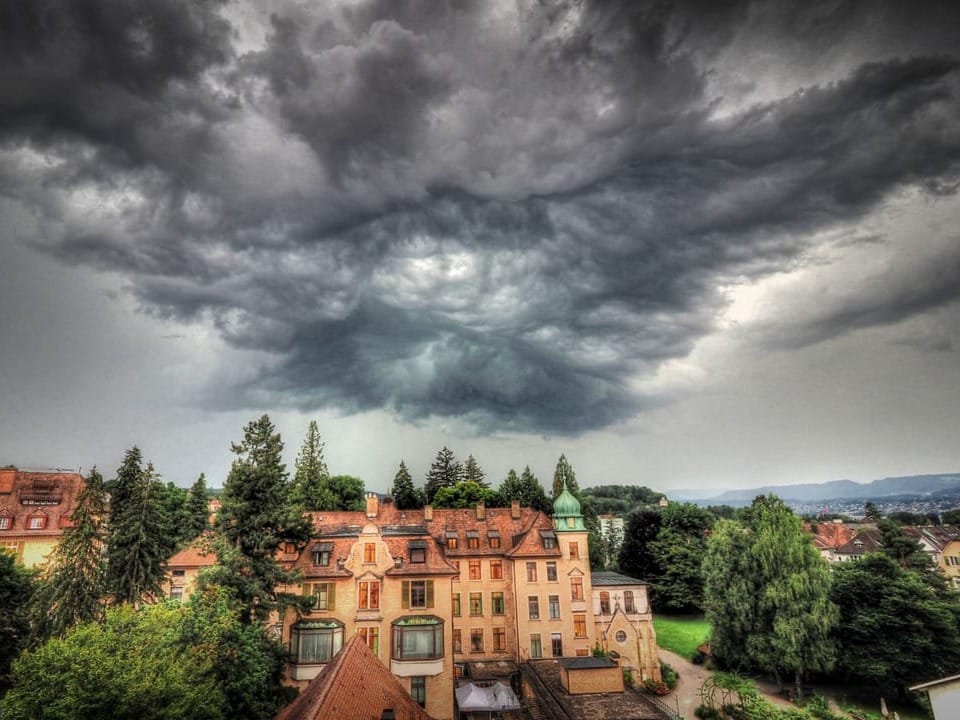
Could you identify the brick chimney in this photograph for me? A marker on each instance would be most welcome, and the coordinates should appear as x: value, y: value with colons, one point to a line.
x: 428, y: 513
x: 515, y: 509
x: 373, y: 505
x: 481, y: 511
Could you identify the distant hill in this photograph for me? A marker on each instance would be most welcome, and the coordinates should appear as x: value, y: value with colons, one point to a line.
x: 838, y: 489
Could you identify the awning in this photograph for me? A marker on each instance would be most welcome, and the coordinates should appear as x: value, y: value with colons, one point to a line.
x: 472, y: 533
x: 496, y: 697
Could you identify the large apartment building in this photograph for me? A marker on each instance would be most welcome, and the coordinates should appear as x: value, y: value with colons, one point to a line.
x: 434, y: 591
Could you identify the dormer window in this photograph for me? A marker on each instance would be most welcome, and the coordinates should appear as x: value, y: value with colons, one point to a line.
x: 493, y: 538
x: 36, y: 522
x: 473, y: 540
x: 549, y: 538
x: 321, y: 554
x: 6, y: 522
x: 418, y: 551
x: 451, y: 540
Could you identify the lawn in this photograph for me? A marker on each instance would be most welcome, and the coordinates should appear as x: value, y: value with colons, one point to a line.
x: 681, y: 633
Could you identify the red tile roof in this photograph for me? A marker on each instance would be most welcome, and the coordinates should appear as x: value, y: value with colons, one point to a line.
x: 50, y: 495
x: 355, y: 685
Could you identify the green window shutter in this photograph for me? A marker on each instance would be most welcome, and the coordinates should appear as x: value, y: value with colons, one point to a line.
x: 405, y: 595
x: 429, y: 584
x: 331, y: 596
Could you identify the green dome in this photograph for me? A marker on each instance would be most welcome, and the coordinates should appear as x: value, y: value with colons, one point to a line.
x: 566, y: 512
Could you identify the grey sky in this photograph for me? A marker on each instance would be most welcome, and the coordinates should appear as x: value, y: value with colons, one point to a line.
x: 687, y: 244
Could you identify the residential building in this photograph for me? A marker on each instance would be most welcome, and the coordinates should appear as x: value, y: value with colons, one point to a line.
x: 944, y: 696
x: 624, y: 620
x: 35, y: 509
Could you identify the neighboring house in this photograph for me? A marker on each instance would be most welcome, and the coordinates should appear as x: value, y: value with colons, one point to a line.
x: 942, y: 542
x: 624, y: 620
x: 184, y: 567
x: 863, y: 542
x: 354, y: 685
x: 944, y: 697
x: 829, y: 536
x: 35, y: 508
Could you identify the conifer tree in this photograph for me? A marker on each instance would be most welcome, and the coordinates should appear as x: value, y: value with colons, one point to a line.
x: 444, y: 472
x: 72, y: 587
x: 472, y: 472
x: 256, y: 517
x: 197, y: 508
x: 527, y: 489
x: 311, y: 482
x: 405, y: 495
x: 139, y: 542
x: 563, y: 472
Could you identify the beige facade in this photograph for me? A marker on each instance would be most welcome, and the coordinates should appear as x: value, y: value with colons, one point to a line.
x: 624, y: 624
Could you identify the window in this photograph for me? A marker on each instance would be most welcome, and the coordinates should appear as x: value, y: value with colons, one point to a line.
x: 953, y: 560
x: 493, y: 538
x: 418, y: 637
x: 290, y: 548
x: 37, y: 522
x: 371, y: 636
x: 551, y: 572
x: 583, y: 652
x: 176, y: 593
x: 456, y: 604
x: 576, y: 588
x: 604, y: 603
x: 536, y: 649
x: 416, y: 594
x: 531, y: 572
x: 178, y: 572
x: 496, y: 603
x: 474, y: 569
x: 6, y: 522
x: 476, y: 640
x: 574, y: 551
x: 580, y: 626
x: 321, y: 554
x: 533, y: 607
x: 473, y: 540
x: 457, y: 641
x: 476, y: 603
x: 418, y: 551
x: 549, y: 539
x: 324, y: 595
x: 418, y: 689
x: 554, y: 607
x: 628, y: 605
x: 556, y: 644
x: 369, y: 595
x: 496, y: 569
x: 499, y: 639
x: 369, y: 553
x: 315, y: 642
x: 452, y: 540
x: 621, y: 636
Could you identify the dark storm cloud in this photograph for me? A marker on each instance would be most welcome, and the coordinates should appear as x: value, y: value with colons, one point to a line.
x: 507, y: 222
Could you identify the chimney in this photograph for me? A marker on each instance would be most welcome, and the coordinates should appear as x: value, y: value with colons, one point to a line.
x: 428, y: 513
x: 515, y: 509
x: 481, y: 511
x: 373, y: 505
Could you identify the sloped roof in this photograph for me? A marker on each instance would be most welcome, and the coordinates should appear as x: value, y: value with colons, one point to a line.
x: 607, y: 579
x: 355, y: 685
x: 863, y: 542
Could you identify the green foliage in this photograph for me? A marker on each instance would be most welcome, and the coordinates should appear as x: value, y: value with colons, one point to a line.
x: 907, y: 551
x: 256, y: 517
x: 620, y: 499
x: 472, y: 472
x: 405, y: 495
x: 445, y: 471
x: 196, y: 511
x: 871, y: 512
x: 349, y: 492
x: 464, y: 494
x: 16, y: 590
x: 564, y: 474
x: 669, y: 675
x: 636, y: 557
x: 895, y: 628
x: 527, y: 489
x: 140, y: 539
x: 311, y: 483
x: 72, y: 585
x: 767, y: 594
x: 951, y: 517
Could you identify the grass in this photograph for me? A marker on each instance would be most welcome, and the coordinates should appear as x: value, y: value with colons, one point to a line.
x: 681, y: 634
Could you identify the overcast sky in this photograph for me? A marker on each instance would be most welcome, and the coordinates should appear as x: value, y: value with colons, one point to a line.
x: 689, y: 245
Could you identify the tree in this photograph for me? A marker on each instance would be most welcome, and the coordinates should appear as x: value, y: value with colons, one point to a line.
x: 172, y: 500
x: 767, y: 594
x: 636, y: 558
x: 464, y: 494
x: 473, y: 473
x: 527, y: 489
x: 405, y: 495
x: 72, y: 587
x: 907, y: 551
x: 139, y: 536
x: 16, y: 589
x: 255, y: 519
x: 951, y: 517
x: 445, y: 471
x: 197, y: 511
x: 894, y: 628
x: 871, y: 512
x: 311, y: 482
x: 348, y: 492
x: 564, y: 472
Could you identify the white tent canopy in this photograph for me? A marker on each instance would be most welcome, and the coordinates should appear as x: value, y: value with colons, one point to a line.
x: 495, y: 698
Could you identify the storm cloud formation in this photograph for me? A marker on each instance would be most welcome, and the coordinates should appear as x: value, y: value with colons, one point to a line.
x: 503, y: 212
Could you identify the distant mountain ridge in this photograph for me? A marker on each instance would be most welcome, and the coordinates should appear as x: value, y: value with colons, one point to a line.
x: 834, y: 490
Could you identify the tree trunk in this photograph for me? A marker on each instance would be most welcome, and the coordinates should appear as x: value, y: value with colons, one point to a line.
x: 798, y: 678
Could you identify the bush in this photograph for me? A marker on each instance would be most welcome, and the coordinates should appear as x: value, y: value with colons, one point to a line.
x: 699, y: 658
x: 668, y: 674
x: 657, y: 687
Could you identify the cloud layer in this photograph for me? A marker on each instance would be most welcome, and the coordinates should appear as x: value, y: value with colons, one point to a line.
x: 503, y: 212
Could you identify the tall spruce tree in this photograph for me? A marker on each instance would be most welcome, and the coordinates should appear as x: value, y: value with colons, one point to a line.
x: 139, y: 542
x: 311, y: 481
x: 197, y: 509
x: 472, y: 472
x: 405, y: 495
x: 256, y: 517
x: 445, y: 471
x: 564, y: 472
x: 72, y: 587
x: 527, y: 489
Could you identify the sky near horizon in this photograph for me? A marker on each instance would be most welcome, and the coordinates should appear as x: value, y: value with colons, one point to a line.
x: 689, y: 245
